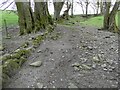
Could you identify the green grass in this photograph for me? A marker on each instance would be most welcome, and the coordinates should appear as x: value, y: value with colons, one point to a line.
x: 91, y: 21
x: 97, y: 21
x: 10, y: 17
x: 72, y: 21
x: 94, y: 21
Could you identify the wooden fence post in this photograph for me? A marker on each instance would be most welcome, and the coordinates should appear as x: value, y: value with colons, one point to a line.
x: 6, y: 28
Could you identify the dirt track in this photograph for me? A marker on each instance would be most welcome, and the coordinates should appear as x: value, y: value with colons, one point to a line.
x: 95, y: 52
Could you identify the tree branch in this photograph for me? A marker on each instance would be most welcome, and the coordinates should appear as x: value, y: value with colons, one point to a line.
x: 8, y: 6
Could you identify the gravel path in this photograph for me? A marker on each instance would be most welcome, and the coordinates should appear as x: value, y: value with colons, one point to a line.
x: 83, y: 57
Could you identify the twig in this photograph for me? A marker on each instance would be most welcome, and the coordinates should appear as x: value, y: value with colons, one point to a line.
x: 8, y: 6
x: 3, y: 3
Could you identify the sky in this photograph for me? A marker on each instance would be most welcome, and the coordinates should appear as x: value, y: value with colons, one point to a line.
x: 76, y: 10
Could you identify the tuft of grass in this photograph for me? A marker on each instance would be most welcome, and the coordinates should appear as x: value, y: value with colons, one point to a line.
x: 10, y: 17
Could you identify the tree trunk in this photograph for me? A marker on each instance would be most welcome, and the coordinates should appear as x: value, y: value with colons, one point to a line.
x: 28, y: 17
x: 109, y: 18
x: 30, y: 22
x: 101, y: 7
x: 67, y: 3
x: 87, y: 3
x: 97, y: 11
x: 112, y: 22
x: 72, y: 8
x: 57, y: 9
x: 66, y: 12
x: 82, y: 6
x: 26, y: 21
x: 68, y: 6
x: 82, y: 9
x: 42, y: 16
x: 106, y: 15
x: 86, y: 10
x: 119, y: 21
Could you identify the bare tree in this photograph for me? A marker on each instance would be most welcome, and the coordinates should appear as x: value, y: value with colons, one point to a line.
x: 86, y: 7
x: 98, y: 5
x: 106, y: 15
x: 3, y: 3
x: 109, y: 17
x: 72, y: 8
x: 95, y: 5
x: 57, y: 9
x: 101, y: 7
x: 82, y: 5
x: 112, y: 20
x: 25, y: 17
x: 67, y: 3
x: 66, y: 12
x: 29, y: 21
x: 42, y: 16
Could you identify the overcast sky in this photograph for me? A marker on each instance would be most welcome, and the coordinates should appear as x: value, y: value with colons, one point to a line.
x: 77, y: 8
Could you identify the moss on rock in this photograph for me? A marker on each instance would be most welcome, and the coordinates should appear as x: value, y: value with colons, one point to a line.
x: 50, y: 28
x: 38, y: 40
x: 10, y: 66
x: 11, y: 62
x: 24, y: 53
x: 25, y: 45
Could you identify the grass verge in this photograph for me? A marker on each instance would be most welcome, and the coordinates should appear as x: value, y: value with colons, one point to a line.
x: 10, y: 17
x: 94, y: 21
